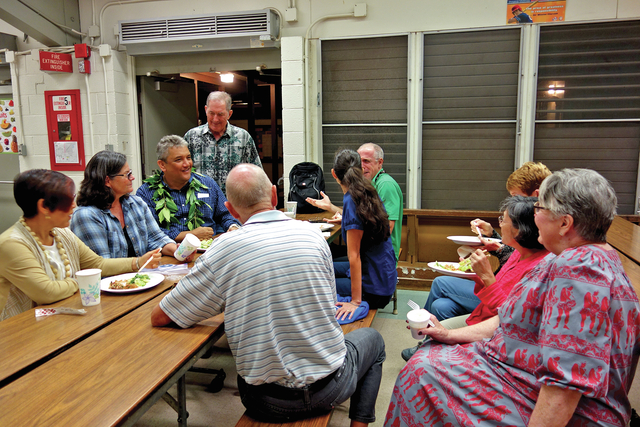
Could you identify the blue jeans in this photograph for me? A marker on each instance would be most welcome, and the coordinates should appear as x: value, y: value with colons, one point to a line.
x: 358, y: 378
x: 343, y: 287
x: 451, y: 297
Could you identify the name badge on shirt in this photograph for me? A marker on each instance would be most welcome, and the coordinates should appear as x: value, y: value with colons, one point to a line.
x: 203, y: 195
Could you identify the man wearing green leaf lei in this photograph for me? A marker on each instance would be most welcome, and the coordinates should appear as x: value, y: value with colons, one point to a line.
x: 181, y: 200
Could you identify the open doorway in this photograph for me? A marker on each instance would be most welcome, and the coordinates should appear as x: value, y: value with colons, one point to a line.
x: 173, y: 104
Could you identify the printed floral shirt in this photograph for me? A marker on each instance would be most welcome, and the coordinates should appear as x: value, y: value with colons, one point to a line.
x: 217, y: 158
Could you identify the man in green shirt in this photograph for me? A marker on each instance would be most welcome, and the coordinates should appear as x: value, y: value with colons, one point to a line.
x: 372, y: 157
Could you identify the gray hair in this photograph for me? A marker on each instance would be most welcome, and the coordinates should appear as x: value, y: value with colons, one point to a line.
x: 585, y: 195
x: 167, y: 142
x: 220, y: 96
x: 378, y: 152
x: 248, y: 185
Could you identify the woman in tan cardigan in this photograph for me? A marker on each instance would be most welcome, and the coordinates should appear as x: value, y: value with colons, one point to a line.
x: 39, y: 255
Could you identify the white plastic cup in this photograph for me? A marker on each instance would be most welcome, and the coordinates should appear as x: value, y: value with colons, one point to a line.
x: 189, y: 244
x: 418, y: 319
x: 89, y: 286
x: 290, y: 209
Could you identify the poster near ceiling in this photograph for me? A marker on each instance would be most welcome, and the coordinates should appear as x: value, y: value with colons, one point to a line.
x: 528, y: 12
x: 8, y: 129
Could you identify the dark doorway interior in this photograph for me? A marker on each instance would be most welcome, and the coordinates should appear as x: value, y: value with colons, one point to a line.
x: 257, y: 107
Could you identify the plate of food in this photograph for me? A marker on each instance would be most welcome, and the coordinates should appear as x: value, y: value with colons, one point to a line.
x: 204, y: 245
x: 130, y: 282
x: 471, y: 240
x: 325, y: 226
x: 456, y: 269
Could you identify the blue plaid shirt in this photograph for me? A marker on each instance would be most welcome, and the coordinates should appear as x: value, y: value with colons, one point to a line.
x: 101, y: 230
x: 214, y: 214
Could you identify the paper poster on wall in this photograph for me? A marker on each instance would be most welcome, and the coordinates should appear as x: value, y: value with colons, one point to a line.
x: 66, y: 151
x: 527, y: 12
x: 8, y: 128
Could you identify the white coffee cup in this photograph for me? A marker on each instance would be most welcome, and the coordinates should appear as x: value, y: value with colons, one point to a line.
x: 89, y: 286
x: 189, y: 244
x: 418, y: 319
x: 290, y: 209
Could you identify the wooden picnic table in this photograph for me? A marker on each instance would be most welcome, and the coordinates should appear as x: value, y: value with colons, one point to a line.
x: 28, y: 341
x: 112, y: 377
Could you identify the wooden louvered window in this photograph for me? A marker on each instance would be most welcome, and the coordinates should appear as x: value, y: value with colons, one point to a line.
x: 588, y: 102
x: 469, y: 118
x: 364, y: 99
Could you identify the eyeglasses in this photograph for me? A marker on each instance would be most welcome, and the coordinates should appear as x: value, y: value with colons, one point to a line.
x: 537, y: 207
x: 126, y: 175
x: 500, y: 219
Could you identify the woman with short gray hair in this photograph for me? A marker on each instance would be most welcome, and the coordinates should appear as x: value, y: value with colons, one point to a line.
x: 584, y: 195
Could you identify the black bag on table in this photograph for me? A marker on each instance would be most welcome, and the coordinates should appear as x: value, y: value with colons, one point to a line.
x: 306, y: 180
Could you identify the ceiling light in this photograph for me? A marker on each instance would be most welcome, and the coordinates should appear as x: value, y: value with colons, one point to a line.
x: 226, y: 78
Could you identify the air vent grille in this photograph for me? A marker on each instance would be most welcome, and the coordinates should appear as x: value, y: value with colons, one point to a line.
x: 250, y: 23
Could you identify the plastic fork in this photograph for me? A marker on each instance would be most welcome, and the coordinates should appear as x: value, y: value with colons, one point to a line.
x: 415, y: 306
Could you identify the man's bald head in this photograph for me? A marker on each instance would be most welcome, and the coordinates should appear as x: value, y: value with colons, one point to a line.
x: 248, y: 187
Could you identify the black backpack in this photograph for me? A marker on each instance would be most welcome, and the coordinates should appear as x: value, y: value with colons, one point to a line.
x: 306, y: 180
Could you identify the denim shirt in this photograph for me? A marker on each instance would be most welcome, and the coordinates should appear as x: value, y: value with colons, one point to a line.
x: 101, y: 231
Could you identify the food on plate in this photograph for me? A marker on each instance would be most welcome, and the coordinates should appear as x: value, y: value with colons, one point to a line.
x: 464, y: 266
x: 137, y: 281
x: 204, y: 244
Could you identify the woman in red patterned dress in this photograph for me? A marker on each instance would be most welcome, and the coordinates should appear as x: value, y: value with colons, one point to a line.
x: 559, y: 352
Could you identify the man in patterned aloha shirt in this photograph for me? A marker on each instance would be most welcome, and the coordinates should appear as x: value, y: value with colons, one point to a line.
x: 216, y: 147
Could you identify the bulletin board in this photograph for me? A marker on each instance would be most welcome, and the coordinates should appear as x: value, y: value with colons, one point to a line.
x: 64, y: 129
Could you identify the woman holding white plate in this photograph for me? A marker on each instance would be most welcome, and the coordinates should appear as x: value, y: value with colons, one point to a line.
x: 519, y: 231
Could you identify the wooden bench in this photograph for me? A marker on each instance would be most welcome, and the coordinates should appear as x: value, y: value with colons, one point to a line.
x: 322, y: 420
x: 624, y: 236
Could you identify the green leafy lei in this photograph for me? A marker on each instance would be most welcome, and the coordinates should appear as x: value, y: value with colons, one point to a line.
x: 166, y: 208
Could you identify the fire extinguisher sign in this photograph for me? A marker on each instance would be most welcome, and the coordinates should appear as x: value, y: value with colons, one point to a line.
x: 62, y: 103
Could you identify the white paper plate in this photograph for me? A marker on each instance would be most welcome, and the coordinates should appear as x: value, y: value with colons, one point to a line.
x: 471, y: 240
x: 326, y: 227
x: 156, y: 279
x: 432, y: 266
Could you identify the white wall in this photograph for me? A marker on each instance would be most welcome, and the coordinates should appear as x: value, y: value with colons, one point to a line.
x: 299, y: 109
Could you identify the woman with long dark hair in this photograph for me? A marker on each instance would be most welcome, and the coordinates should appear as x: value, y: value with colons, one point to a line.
x: 110, y: 220
x: 370, y: 274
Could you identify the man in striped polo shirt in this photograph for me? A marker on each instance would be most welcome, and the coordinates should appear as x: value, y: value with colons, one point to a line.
x: 274, y: 280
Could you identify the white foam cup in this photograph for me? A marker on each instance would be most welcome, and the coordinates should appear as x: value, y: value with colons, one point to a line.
x: 418, y: 319
x: 189, y: 244
x: 290, y: 209
x: 89, y: 286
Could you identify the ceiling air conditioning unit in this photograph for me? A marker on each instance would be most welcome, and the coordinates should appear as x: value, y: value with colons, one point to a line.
x: 187, y: 34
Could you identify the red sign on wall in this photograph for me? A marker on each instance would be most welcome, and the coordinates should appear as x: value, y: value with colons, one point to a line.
x: 51, y: 61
